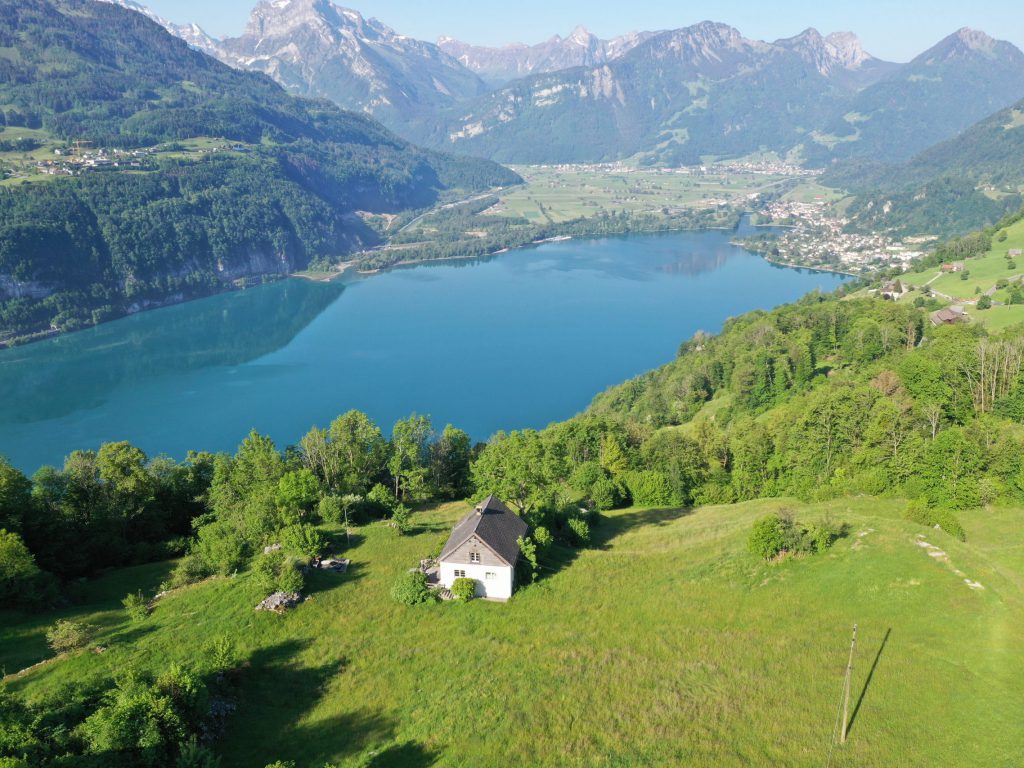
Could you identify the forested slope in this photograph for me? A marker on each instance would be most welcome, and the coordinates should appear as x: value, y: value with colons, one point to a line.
x: 281, y: 191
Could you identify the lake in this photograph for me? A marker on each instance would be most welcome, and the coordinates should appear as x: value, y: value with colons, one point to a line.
x: 518, y: 340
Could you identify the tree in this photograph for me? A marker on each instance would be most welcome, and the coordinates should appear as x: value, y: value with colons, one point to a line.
x: 613, y: 457
x: 410, y: 442
x: 512, y: 466
x: 298, y: 492
x: 19, y: 575
x: 449, y: 463
x: 66, y: 636
x: 361, y: 452
x: 984, y: 302
x: 15, y: 496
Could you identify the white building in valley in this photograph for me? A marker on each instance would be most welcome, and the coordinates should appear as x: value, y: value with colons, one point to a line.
x: 484, y: 547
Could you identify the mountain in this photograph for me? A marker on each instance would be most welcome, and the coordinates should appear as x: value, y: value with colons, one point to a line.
x: 676, y: 97
x: 316, y: 48
x: 967, y: 182
x: 706, y: 90
x: 192, y: 34
x: 580, y: 49
x: 964, y: 78
x: 197, y: 174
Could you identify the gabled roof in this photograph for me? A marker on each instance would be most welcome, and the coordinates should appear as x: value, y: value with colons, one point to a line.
x: 497, y: 526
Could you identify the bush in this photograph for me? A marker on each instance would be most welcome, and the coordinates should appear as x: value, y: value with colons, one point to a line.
x: 542, y: 537
x: 822, y: 536
x: 330, y: 509
x: 648, y: 488
x: 919, y: 512
x: 277, y: 572
x: 464, y: 589
x: 221, y: 548
x: 222, y: 654
x: 586, y: 475
x: 580, y: 531
x: 984, y: 302
x: 768, y: 538
x: 189, y: 570
x: 411, y: 589
x: 67, y: 636
x: 606, y: 494
x: 381, y: 500
x: 195, y: 755
x: 401, y: 518
x: 303, y: 539
x: 135, y: 606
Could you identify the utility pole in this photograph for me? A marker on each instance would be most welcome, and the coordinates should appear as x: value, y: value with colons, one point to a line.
x: 846, y: 688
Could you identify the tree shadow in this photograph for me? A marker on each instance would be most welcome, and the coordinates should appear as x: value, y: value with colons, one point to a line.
x: 321, y: 580
x: 560, y: 556
x: 275, y: 694
x: 867, y: 681
x: 409, y: 755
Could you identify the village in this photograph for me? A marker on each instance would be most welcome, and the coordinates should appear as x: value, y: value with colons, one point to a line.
x: 815, y: 237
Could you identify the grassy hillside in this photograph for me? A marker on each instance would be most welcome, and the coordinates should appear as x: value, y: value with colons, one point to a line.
x: 665, y: 643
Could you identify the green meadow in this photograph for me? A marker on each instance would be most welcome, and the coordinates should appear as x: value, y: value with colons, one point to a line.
x: 982, y: 274
x: 664, y: 643
x: 556, y: 194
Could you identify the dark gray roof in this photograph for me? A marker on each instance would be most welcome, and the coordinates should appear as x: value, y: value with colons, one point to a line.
x: 495, y: 525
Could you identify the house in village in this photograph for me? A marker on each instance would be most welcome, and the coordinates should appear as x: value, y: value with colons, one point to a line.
x: 892, y: 290
x: 955, y: 266
x: 484, y: 547
x: 949, y: 316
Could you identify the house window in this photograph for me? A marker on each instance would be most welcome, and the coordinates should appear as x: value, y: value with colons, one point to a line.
x: 474, y: 557
x: 490, y: 575
x: 460, y: 574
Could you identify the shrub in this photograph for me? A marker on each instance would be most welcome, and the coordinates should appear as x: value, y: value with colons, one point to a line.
x: 303, y: 539
x: 222, y: 653
x: 919, y: 512
x: 984, y: 302
x: 543, y: 538
x: 580, y: 531
x: 401, y: 518
x: 195, y: 755
x: 276, y: 572
x: 606, y: 494
x: 221, y: 548
x: 330, y: 509
x: 135, y: 606
x: 822, y: 536
x: 381, y: 500
x: 528, y: 564
x: 411, y: 589
x: 768, y: 537
x: 68, y: 636
x: 586, y: 475
x: 649, y: 488
x: 464, y: 589
x: 189, y: 570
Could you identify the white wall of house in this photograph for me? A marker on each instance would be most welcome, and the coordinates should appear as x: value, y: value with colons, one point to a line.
x: 493, y: 581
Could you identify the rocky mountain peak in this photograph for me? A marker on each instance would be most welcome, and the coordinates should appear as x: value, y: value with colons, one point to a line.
x: 838, y: 51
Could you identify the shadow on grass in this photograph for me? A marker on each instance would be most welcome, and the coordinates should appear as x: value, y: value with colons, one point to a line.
x: 404, y: 756
x: 321, y: 580
x: 276, y: 693
x: 867, y: 681
x: 561, y: 556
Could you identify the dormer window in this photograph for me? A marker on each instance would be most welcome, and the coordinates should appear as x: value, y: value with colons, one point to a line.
x: 474, y: 557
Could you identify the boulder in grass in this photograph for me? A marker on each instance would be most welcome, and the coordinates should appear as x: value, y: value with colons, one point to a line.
x: 279, y: 602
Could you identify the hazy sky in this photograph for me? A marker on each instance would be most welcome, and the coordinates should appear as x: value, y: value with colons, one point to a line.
x: 895, y: 31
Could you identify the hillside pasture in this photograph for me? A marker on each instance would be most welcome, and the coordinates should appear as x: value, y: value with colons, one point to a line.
x: 665, y: 643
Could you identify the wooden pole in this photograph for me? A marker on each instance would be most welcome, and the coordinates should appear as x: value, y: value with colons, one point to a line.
x: 846, y: 688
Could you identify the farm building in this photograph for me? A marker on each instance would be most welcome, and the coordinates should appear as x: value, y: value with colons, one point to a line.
x: 955, y: 266
x: 948, y: 316
x: 484, y: 547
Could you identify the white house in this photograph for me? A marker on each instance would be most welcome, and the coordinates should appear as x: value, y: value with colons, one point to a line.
x: 484, y: 547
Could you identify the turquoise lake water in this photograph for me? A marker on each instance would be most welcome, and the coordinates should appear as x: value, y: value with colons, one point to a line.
x: 518, y: 340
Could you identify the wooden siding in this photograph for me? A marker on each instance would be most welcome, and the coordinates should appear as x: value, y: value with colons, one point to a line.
x: 473, y: 544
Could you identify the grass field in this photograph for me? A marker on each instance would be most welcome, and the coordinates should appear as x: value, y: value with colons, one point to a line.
x: 665, y: 643
x: 560, y: 194
x: 983, y: 272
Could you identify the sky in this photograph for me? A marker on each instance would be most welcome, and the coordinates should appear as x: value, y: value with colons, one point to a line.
x: 893, y: 31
